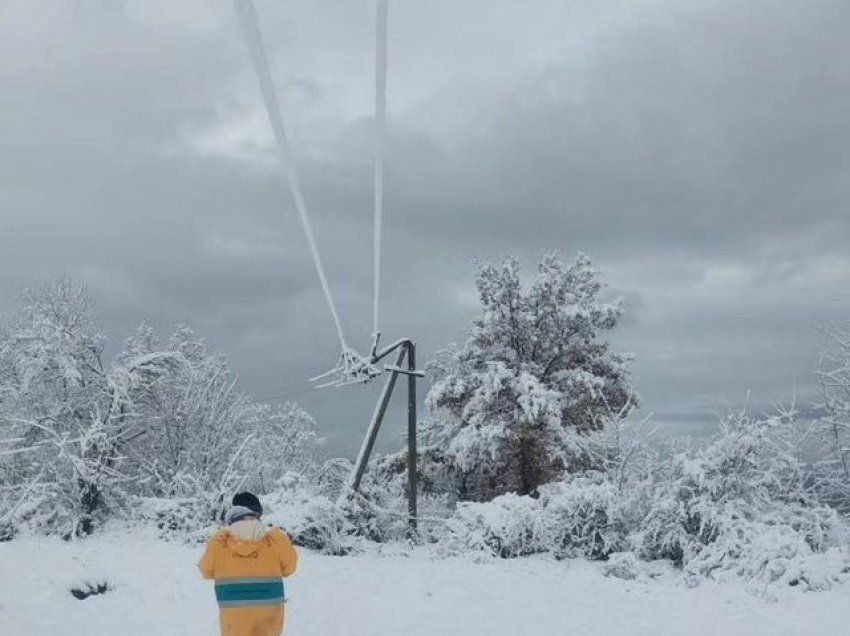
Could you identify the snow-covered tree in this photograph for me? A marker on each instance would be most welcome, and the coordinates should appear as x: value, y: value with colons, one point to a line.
x: 189, y: 416
x: 198, y: 436
x: 536, y: 378
x: 286, y: 442
x: 834, y: 374
x: 164, y: 420
x: 63, y: 417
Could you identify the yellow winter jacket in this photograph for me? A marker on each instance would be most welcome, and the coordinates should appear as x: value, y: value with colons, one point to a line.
x: 249, y: 581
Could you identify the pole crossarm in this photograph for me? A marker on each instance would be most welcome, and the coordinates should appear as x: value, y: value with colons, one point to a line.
x: 403, y: 371
x: 377, y: 356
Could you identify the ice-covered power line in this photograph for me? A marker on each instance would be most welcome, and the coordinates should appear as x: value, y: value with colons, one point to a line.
x: 381, y: 25
x: 253, y: 37
x: 351, y: 367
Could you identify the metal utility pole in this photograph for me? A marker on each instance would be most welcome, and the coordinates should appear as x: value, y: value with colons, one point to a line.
x: 406, y: 349
x: 411, y: 437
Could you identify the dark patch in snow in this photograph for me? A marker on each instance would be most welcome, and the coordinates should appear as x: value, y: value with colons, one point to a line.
x: 86, y: 590
x: 7, y: 532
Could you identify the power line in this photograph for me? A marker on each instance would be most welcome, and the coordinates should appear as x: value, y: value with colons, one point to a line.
x: 253, y: 37
x: 381, y: 27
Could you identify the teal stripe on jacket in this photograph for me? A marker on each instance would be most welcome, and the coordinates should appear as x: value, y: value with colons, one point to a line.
x: 249, y: 592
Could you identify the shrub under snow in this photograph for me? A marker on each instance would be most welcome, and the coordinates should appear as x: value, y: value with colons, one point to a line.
x: 313, y: 520
x: 574, y: 518
x: 741, y: 507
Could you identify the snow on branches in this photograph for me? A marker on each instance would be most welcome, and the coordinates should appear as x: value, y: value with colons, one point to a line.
x: 58, y: 400
x: 834, y: 376
x: 534, y: 379
x: 744, y: 506
x: 79, y: 436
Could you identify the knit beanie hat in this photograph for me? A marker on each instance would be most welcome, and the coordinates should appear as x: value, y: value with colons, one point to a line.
x: 238, y: 513
x: 250, y: 501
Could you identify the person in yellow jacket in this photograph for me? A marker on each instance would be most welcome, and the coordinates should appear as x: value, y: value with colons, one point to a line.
x: 248, y: 562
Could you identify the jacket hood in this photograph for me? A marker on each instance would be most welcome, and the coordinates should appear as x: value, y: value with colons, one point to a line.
x: 243, y: 536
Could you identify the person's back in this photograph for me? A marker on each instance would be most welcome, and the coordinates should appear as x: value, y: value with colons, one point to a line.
x: 248, y: 562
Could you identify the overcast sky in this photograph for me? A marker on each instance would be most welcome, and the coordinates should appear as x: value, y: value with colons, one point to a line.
x: 698, y: 151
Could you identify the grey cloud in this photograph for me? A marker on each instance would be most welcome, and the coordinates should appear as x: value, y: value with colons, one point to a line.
x: 697, y: 152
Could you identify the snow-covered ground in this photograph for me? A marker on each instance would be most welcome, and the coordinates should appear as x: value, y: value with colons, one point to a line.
x: 157, y: 591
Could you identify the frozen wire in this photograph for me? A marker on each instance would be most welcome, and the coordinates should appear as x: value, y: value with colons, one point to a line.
x: 381, y: 22
x: 352, y: 368
x: 253, y: 37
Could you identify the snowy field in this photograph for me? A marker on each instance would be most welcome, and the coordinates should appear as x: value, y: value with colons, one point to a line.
x: 157, y: 591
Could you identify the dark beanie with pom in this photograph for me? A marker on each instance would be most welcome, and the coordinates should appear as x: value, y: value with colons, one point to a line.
x: 248, y: 500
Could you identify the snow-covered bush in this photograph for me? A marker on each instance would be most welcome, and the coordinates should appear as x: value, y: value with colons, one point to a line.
x: 311, y: 519
x: 510, y: 525
x: 535, y: 375
x: 578, y: 517
x: 313, y: 511
x: 8, y: 526
x: 586, y: 517
x: 316, y: 517
x: 182, y: 519
x: 623, y: 565
x: 333, y: 476
x: 775, y: 550
x: 742, y: 505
